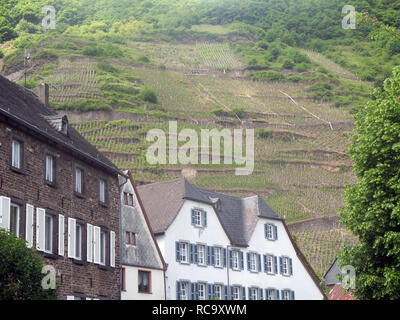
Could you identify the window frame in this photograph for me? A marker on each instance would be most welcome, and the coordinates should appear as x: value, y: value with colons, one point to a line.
x: 103, y: 246
x: 219, y: 250
x: 149, y: 287
x: 79, y: 226
x: 203, y: 286
x: 21, y: 142
x: 184, y: 288
x: 129, y: 235
x: 203, y: 255
x: 236, y: 292
x: 219, y: 286
x: 198, y: 217
x: 18, y: 222
x: 106, y: 197
x: 54, y: 159
x: 253, y: 260
x: 83, y: 176
x: 254, y: 293
x: 270, y: 258
x: 284, y: 292
x: 235, y: 254
x: 287, y: 265
x: 186, y: 251
x: 270, y: 229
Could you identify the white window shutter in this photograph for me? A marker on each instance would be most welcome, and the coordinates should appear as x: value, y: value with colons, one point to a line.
x: 29, y: 225
x: 40, y: 228
x: 112, y: 249
x: 96, y: 245
x: 5, y: 213
x: 71, y: 237
x: 89, y: 255
x: 61, y: 231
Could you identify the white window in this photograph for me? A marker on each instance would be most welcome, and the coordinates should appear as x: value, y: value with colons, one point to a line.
x: 15, y: 211
x: 103, y: 237
x: 78, y: 241
x: 218, y: 257
x: 254, y: 293
x: 48, y: 233
x: 235, y: 259
x: 201, y: 254
x: 78, y: 180
x: 253, y: 262
x: 218, y: 292
x: 285, y: 294
x: 285, y: 266
x: 184, y: 291
x: 16, y: 154
x: 270, y: 264
x: 49, y: 168
x: 271, y: 294
x: 197, y: 218
x: 202, y: 291
x: 236, y: 293
x: 270, y: 232
x: 183, y: 252
x: 102, y: 191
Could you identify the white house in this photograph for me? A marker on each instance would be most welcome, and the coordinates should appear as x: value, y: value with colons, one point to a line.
x: 222, y: 247
x: 142, y: 263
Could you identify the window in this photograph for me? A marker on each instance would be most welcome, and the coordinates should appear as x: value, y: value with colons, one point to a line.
x: 123, y: 279
x: 253, y: 262
x: 270, y: 264
x: 202, y: 291
x: 236, y: 293
x: 218, y: 292
x: 272, y: 294
x: 15, y: 216
x: 50, y: 169
x: 286, y: 266
x: 16, y: 154
x: 199, y: 218
x: 269, y: 232
x: 128, y: 199
x: 286, y: 295
x: 48, y: 237
x: 184, y: 291
x: 183, y: 252
x: 253, y: 294
x: 79, y: 181
x: 102, y: 191
x: 78, y: 241
x: 218, y: 257
x: 235, y: 259
x: 201, y: 254
x: 144, y: 281
x: 130, y: 238
x: 103, y: 238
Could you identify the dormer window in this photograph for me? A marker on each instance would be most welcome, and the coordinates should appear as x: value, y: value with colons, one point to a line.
x: 58, y: 122
x: 199, y: 218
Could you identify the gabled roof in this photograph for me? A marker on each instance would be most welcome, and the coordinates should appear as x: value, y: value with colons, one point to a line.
x: 24, y: 108
x: 238, y: 216
x: 338, y: 293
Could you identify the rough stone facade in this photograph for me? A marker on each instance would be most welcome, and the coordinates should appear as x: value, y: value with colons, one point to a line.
x: 84, y: 279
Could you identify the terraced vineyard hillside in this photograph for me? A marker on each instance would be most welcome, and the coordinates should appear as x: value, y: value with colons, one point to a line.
x: 301, y: 165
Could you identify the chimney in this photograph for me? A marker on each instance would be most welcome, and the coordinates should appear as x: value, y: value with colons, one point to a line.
x: 44, y: 93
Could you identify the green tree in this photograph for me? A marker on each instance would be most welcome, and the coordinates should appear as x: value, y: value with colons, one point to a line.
x: 372, y: 209
x: 20, y: 271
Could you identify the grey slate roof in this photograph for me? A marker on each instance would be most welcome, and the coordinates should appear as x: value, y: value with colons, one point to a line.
x: 330, y: 275
x: 24, y: 107
x: 238, y: 216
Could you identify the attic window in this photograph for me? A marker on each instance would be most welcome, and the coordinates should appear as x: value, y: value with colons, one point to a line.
x: 58, y: 122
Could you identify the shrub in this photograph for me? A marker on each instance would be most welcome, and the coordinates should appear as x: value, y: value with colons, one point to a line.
x: 21, y: 271
x: 267, y: 76
x: 264, y: 134
x: 321, y: 91
x: 63, y: 45
x: 302, y: 67
x: 1, y: 54
x: 144, y: 59
x: 220, y: 112
x: 288, y: 64
x: 148, y: 94
x: 84, y: 105
x: 237, y: 111
x: 104, y: 66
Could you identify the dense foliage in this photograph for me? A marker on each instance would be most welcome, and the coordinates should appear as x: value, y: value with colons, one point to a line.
x: 372, y: 208
x: 20, y: 271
